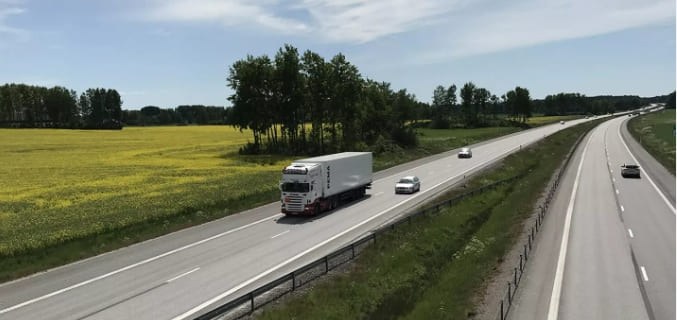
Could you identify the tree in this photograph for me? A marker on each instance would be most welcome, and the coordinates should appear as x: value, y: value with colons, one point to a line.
x: 252, y: 82
x: 344, y: 91
x: 316, y: 74
x: 670, y: 101
x: 288, y: 93
x: 468, y: 105
x: 519, y: 104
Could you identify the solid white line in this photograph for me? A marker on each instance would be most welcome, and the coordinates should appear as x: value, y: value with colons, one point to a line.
x: 630, y: 232
x: 622, y: 209
x: 49, y: 295
x: 279, y: 234
x: 553, y: 309
x: 183, y: 274
x: 378, y: 194
x: 313, y: 248
x: 646, y: 278
x: 645, y: 174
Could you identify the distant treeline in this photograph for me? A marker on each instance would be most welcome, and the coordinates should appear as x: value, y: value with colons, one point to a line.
x: 28, y: 106
x: 575, y: 103
x: 477, y: 107
x: 181, y: 115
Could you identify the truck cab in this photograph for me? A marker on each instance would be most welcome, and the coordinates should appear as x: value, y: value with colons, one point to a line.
x: 301, y: 188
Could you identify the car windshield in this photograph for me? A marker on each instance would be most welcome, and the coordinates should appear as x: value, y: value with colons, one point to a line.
x: 631, y: 166
x: 405, y: 180
x: 465, y: 149
x: 295, y: 187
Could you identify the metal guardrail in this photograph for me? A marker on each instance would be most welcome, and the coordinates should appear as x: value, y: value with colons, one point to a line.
x: 509, y: 296
x: 246, y: 304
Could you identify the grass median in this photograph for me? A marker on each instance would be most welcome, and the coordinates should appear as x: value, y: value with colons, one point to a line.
x: 433, y: 268
x: 654, y: 131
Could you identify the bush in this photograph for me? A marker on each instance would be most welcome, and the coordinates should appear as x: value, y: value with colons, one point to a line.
x: 440, y: 124
x: 405, y: 137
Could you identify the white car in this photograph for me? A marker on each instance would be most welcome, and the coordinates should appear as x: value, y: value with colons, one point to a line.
x: 561, y: 122
x: 465, y: 153
x: 408, y: 184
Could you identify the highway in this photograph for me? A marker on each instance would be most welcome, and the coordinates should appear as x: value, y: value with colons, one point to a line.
x: 182, y: 274
x: 607, y: 249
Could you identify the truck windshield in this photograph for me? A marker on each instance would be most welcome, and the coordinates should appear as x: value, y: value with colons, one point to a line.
x: 295, y: 187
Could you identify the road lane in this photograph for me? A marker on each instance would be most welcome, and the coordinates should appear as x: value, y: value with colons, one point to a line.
x: 653, y: 224
x: 621, y: 257
x: 228, y: 261
x: 599, y: 276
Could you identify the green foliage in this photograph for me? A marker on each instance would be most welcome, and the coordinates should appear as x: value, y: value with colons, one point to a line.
x: 343, y: 109
x: 670, y: 101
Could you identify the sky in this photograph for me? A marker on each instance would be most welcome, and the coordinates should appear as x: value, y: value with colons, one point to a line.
x: 172, y: 52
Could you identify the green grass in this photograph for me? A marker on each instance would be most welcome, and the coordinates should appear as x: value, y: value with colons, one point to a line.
x: 654, y: 130
x: 432, y: 141
x: 433, y: 268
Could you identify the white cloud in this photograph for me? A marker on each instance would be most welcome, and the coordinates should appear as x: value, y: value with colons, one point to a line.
x: 7, y: 9
x: 447, y: 28
x: 533, y: 22
x: 367, y: 20
x: 227, y: 12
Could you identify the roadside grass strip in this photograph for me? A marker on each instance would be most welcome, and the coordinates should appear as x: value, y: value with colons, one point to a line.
x: 654, y: 131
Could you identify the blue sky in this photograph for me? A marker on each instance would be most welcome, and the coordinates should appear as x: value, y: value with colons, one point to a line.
x: 172, y: 52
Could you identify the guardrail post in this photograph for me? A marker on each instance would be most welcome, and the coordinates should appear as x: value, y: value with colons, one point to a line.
x: 509, y: 294
x: 515, y: 278
x: 326, y: 264
x: 502, y: 315
x: 251, y: 298
x: 521, y: 267
x: 352, y: 248
x: 529, y: 240
x: 293, y: 281
x: 526, y: 257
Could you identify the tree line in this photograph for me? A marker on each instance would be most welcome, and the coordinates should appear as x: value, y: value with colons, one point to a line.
x: 58, y: 107
x: 477, y: 107
x: 297, y: 103
x: 181, y: 115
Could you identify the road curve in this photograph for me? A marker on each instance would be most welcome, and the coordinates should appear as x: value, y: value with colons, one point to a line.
x: 184, y: 273
x: 619, y: 258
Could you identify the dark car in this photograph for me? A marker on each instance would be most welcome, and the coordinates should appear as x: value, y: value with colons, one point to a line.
x: 630, y: 170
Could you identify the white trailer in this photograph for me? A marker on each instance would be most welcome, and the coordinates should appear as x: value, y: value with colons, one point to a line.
x: 313, y: 185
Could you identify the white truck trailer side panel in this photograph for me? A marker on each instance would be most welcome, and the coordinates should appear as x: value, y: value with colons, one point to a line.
x: 343, y: 171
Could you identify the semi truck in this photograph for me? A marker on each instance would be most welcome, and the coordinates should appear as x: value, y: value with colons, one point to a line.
x: 314, y: 185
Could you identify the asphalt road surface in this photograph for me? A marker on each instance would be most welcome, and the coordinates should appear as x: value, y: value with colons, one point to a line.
x: 186, y: 273
x: 607, y: 250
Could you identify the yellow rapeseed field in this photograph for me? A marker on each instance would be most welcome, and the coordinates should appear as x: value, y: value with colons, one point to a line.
x: 57, y: 185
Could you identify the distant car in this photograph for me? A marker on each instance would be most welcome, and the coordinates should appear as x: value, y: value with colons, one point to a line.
x: 561, y: 122
x: 630, y: 170
x: 408, y: 184
x: 465, y: 153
